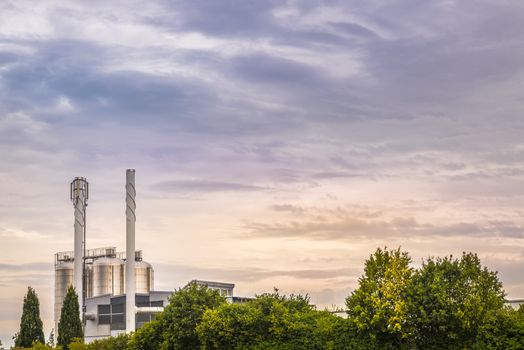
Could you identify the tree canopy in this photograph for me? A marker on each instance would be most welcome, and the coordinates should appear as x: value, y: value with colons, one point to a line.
x: 175, y: 328
x: 378, y: 308
x: 446, y: 303
x: 69, y: 326
x: 450, y: 300
x: 31, y: 327
x: 271, y: 321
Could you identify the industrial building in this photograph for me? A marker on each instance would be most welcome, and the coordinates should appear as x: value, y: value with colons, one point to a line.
x: 115, y: 289
x: 104, y: 281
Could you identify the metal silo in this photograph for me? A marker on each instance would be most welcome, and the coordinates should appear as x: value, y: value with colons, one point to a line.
x: 144, y: 277
x: 64, y: 272
x: 89, y: 281
x: 108, y: 276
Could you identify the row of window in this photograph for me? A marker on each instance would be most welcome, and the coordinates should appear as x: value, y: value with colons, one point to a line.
x: 114, y: 314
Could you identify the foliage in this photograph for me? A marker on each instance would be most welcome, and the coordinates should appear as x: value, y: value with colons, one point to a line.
x: 503, y: 330
x: 450, y: 300
x: 271, y: 321
x: 148, y: 337
x: 445, y: 304
x: 69, y: 326
x: 119, y: 342
x: 175, y: 327
x: 31, y: 328
x: 378, y: 309
x: 40, y: 346
x: 77, y: 344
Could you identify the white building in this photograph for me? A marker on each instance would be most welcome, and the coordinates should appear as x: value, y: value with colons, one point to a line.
x: 106, y: 314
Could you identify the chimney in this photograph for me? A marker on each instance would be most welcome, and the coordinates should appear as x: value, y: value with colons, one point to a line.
x: 130, y: 250
x: 79, y: 193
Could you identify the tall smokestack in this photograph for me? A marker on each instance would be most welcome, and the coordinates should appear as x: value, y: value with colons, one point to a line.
x: 79, y: 193
x: 130, y: 250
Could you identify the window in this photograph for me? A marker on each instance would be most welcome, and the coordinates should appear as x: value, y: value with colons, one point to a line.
x: 104, y: 319
x: 104, y: 309
x: 117, y: 308
x: 119, y: 318
x: 143, y: 318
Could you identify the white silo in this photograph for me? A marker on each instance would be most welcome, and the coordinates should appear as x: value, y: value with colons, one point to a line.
x: 108, y: 276
x: 143, y: 277
x: 64, y: 272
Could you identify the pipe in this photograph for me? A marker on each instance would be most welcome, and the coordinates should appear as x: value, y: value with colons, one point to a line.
x: 130, y: 250
x: 149, y: 309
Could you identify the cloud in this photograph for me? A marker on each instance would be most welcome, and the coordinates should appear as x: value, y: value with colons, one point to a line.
x: 343, y: 224
x: 252, y: 274
x: 197, y: 186
x: 411, y: 109
x: 36, y: 266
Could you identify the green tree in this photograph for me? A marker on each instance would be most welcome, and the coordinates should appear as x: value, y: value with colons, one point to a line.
x: 69, y: 326
x: 77, y: 344
x: 271, y: 321
x: 503, y: 330
x: 450, y: 300
x: 40, y: 346
x: 149, y: 337
x: 119, y: 342
x: 175, y: 327
x: 31, y: 328
x: 377, y: 309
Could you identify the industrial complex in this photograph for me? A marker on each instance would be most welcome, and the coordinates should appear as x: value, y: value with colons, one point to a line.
x: 115, y: 289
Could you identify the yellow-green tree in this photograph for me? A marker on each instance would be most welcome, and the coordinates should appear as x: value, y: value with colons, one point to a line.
x: 377, y: 309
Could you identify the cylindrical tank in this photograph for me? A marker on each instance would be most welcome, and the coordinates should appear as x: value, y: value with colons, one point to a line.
x: 63, y: 279
x: 144, y: 277
x: 89, y: 281
x: 108, y: 276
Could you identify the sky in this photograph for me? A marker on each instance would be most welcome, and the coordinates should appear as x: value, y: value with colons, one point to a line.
x: 276, y: 143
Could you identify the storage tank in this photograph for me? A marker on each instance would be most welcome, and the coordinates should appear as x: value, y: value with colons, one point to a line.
x: 89, y: 281
x: 108, y: 276
x: 144, y: 277
x: 63, y: 279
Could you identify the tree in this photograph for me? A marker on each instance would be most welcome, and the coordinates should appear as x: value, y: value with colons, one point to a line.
x: 149, y: 337
x: 504, y: 330
x: 31, y: 328
x: 51, y: 339
x: 377, y: 309
x: 69, y: 326
x: 175, y: 327
x: 271, y: 321
x: 120, y: 342
x: 450, y: 300
x: 40, y: 346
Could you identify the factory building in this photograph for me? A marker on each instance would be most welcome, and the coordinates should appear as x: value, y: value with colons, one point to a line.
x: 104, y: 276
x: 115, y: 289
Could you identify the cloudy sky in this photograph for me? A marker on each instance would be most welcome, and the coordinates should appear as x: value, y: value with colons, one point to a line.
x: 276, y: 143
